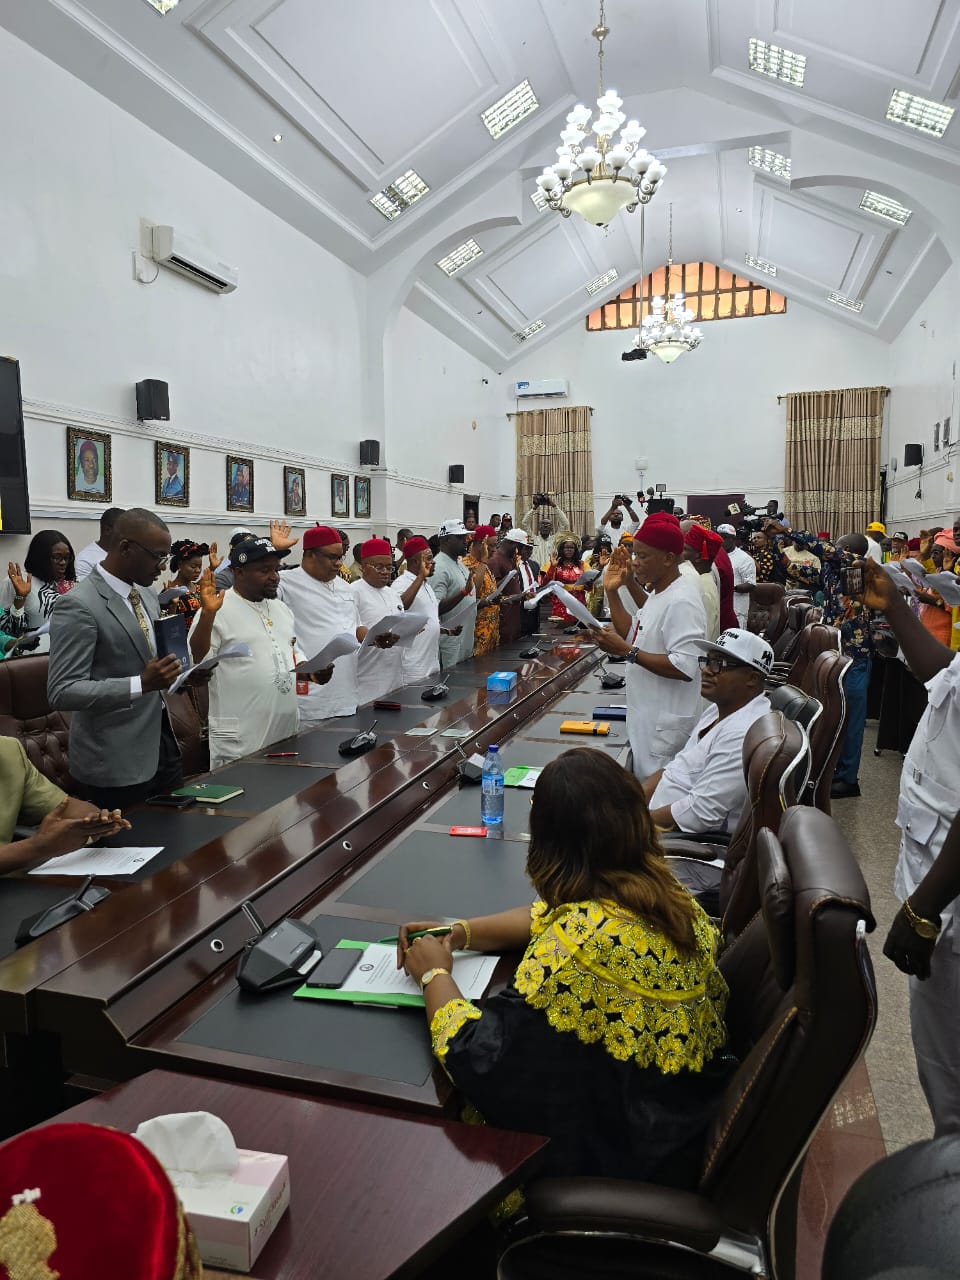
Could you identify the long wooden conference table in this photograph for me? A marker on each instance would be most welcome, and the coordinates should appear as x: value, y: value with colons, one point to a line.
x: 148, y: 978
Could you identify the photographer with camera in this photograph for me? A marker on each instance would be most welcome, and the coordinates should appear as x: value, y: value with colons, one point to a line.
x: 542, y: 540
x: 611, y: 522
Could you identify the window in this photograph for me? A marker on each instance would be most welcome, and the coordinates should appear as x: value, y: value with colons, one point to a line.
x: 712, y: 294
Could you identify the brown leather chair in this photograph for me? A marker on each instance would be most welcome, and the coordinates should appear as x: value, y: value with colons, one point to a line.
x: 188, y: 711
x: 815, y: 638
x: 775, y: 755
x: 767, y: 615
x: 801, y: 1012
x: 25, y: 714
x: 798, y: 611
x: 824, y: 680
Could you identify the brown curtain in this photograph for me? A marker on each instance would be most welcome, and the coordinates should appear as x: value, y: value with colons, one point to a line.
x: 554, y: 457
x: 832, y: 480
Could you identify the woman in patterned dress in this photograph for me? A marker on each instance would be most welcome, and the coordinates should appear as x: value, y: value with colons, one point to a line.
x: 565, y: 568
x: 486, y: 636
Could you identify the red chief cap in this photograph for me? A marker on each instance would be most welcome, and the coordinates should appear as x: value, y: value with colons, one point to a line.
x: 662, y: 532
x: 483, y: 531
x: 321, y: 535
x: 91, y: 1203
x: 374, y: 547
x: 704, y: 542
x: 413, y: 546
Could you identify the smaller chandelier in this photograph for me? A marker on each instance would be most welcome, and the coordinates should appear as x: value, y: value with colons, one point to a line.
x: 667, y: 330
x: 600, y: 175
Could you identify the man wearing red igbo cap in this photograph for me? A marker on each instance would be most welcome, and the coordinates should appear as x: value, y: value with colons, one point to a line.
x: 658, y: 641
x: 324, y: 606
x: 421, y: 659
x: 699, y: 549
x: 379, y: 669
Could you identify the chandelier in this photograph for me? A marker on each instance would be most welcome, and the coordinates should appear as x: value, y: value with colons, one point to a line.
x: 666, y: 331
x: 600, y: 175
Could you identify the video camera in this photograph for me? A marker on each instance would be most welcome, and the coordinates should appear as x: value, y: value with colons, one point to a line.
x: 541, y: 500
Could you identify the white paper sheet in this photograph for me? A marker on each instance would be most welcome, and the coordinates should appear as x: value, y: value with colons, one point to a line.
x: 914, y: 568
x: 234, y: 651
x: 587, y: 578
x: 98, y: 862
x: 459, y: 611
x: 947, y: 585
x: 402, y: 625
x: 376, y: 973
x: 172, y: 593
x: 903, y: 580
x: 504, y: 583
x: 576, y: 607
x: 343, y: 643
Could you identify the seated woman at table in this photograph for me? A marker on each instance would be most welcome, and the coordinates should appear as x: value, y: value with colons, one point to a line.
x: 610, y: 1038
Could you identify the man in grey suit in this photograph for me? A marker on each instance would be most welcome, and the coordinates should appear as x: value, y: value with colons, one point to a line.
x: 105, y: 669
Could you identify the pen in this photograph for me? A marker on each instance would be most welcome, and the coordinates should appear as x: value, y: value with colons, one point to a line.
x: 281, y: 755
x: 440, y: 932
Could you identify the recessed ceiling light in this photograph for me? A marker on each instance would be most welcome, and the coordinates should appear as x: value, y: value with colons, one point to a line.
x: 760, y: 264
x: 278, y: 137
x: 163, y: 6
x: 601, y: 282
x: 770, y: 161
x: 885, y: 207
x: 777, y: 63
x: 510, y: 110
x: 921, y: 114
x: 458, y: 258
x: 523, y: 334
x: 851, y: 304
x: 539, y: 199
x: 739, y: 210
x: 400, y: 194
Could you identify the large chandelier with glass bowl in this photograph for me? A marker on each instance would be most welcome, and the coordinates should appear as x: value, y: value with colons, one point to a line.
x: 600, y: 175
x: 667, y: 331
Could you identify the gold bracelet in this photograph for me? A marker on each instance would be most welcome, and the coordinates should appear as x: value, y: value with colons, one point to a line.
x: 465, y: 926
x: 927, y: 929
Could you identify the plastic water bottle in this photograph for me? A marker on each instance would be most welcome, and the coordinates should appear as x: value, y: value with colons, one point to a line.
x: 491, y: 797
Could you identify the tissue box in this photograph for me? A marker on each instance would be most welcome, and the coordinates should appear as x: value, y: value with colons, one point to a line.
x: 502, y: 681
x: 233, y: 1218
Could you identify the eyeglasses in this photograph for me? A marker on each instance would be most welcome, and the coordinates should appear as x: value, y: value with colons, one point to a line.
x: 158, y: 558
x: 714, y: 663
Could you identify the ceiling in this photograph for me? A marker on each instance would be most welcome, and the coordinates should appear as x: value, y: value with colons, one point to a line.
x: 362, y: 92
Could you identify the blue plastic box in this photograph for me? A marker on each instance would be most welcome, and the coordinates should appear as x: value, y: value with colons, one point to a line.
x: 502, y: 681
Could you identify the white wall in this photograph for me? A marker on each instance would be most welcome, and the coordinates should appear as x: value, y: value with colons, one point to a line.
x: 923, y: 362
x: 710, y: 422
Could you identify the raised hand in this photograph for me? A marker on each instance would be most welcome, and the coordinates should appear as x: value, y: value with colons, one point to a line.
x: 281, y: 535
x: 21, y: 584
x: 210, y: 598
x: 618, y: 569
x: 213, y: 556
x: 879, y: 589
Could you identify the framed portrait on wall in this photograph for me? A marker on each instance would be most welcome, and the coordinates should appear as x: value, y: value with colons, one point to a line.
x: 89, y: 474
x: 171, y: 474
x: 340, y: 496
x: 294, y: 491
x: 361, y: 497
x: 239, y: 484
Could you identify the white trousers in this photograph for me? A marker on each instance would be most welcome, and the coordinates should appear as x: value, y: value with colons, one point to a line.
x: 935, y: 1026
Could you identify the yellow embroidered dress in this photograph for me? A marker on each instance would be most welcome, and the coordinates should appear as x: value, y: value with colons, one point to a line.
x: 608, y: 1041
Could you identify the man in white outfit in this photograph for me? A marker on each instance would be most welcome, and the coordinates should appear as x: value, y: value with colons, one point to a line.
x: 96, y: 552
x: 378, y: 672
x: 744, y: 572
x: 421, y: 658
x: 612, y: 522
x: 659, y: 642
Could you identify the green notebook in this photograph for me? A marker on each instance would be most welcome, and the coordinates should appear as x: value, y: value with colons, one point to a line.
x: 521, y: 775
x: 344, y: 994
x: 206, y: 793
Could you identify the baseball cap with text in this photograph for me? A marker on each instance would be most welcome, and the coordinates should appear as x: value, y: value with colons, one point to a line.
x: 752, y: 651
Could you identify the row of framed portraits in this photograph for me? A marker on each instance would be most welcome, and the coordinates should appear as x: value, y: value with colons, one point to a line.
x: 90, y: 478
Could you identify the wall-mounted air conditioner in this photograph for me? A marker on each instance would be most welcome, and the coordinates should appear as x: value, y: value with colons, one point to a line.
x: 186, y: 257
x: 545, y: 388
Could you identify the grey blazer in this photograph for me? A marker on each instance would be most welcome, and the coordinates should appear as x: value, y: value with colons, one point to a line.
x: 95, y: 647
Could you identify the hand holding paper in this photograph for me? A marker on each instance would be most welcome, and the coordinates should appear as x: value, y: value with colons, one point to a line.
x: 234, y: 651
x: 402, y: 625
x: 575, y: 607
x: 171, y: 593
x: 343, y: 643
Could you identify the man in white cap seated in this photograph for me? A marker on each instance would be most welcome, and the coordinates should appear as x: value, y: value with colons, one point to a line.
x: 456, y: 592
x: 744, y: 572
x: 703, y: 788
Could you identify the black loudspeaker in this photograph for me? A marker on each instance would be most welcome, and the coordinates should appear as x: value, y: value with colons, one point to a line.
x: 369, y: 453
x: 913, y: 455
x: 455, y: 474
x: 153, y: 401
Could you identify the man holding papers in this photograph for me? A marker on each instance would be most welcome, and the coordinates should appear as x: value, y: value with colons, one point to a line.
x: 456, y: 591
x: 379, y: 664
x: 421, y: 658
x: 324, y: 606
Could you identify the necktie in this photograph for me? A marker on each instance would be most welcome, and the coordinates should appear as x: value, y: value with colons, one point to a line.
x: 141, y: 617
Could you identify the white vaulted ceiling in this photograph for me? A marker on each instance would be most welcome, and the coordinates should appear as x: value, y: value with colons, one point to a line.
x: 363, y: 91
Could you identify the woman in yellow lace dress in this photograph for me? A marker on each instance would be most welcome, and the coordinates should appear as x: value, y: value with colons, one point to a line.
x: 610, y: 1039
x: 486, y: 636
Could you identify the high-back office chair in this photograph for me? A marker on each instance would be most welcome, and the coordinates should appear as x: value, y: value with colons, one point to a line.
x: 775, y: 753
x: 188, y: 711
x: 824, y: 679
x: 815, y: 638
x: 767, y: 615
x: 801, y: 1012
x: 798, y: 609
x: 25, y: 714
x: 805, y: 710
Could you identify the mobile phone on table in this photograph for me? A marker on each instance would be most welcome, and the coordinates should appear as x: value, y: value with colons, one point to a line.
x: 335, y: 967
x: 171, y: 801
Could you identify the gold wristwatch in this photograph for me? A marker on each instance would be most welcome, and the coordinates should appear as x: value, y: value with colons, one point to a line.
x: 429, y: 976
x: 927, y: 929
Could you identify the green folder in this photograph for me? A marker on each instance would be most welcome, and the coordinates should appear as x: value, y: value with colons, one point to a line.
x: 514, y: 777
x: 345, y: 995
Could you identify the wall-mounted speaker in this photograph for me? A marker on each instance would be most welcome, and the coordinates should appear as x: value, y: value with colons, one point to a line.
x: 455, y: 474
x: 369, y: 453
x: 153, y: 401
x: 913, y: 455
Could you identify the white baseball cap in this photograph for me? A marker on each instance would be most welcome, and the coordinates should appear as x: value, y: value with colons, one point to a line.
x: 517, y: 535
x: 752, y: 651
x: 450, y: 528
x: 726, y: 528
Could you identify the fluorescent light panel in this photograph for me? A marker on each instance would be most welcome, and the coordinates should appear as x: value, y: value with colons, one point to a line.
x: 885, y: 207
x: 851, y: 304
x: 760, y: 264
x: 400, y: 194
x: 510, y: 110
x: 921, y: 114
x: 523, y: 334
x: 601, y: 282
x: 458, y: 258
x: 163, y: 6
x: 770, y: 162
x: 778, y: 63
x: 539, y: 199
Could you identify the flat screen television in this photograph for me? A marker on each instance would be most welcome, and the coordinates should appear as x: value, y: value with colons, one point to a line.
x: 14, y: 495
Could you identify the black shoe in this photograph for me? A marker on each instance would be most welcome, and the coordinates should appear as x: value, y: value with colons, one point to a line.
x: 840, y: 790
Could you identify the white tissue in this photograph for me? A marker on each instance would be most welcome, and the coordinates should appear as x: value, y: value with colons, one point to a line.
x: 194, y: 1147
